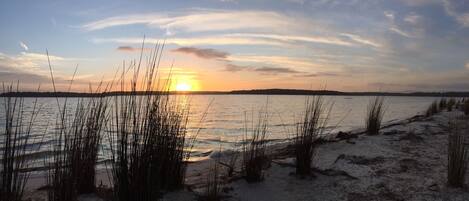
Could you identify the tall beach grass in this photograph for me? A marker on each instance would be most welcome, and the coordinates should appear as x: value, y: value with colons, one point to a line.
x: 14, y: 138
x: 78, y: 136
x: 457, y: 158
x: 309, y: 129
x: 255, y: 157
x: 374, y: 116
x: 148, y: 136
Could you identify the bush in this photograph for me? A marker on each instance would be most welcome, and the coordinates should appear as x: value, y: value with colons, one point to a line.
x: 375, y: 116
x: 308, y: 131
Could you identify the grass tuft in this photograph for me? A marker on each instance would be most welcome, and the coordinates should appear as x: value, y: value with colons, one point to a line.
x: 465, y: 106
x: 451, y: 104
x: 78, y: 135
x: 308, y: 131
x: 255, y: 158
x: 148, y: 137
x: 457, y: 159
x: 14, y: 140
x: 432, y: 109
x: 375, y: 116
x: 213, y: 186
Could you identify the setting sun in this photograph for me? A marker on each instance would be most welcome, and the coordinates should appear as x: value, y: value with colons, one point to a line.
x: 183, y: 87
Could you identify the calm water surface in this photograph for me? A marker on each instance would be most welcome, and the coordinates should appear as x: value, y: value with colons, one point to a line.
x: 227, y: 116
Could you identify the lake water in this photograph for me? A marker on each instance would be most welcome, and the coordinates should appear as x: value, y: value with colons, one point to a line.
x: 228, y: 115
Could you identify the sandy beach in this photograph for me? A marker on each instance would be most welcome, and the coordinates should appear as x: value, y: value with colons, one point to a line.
x: 406, y: 161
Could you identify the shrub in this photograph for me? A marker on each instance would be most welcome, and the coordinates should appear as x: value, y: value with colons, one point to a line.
x: 375, y: 116
x: 14, y: 139
x: 308, y: 130
x: 457, y: 159
x: 254, y: 151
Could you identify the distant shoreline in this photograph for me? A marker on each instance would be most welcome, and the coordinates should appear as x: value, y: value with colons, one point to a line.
x: 239, y: 92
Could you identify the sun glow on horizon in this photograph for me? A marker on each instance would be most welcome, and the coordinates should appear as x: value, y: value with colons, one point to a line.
x: 184, y: 83
x: 183, y: 87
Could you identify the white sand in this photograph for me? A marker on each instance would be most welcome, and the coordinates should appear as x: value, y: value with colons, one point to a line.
x: 407, y: 161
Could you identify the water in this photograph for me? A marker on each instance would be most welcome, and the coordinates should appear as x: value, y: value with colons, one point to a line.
x: 227, y: 116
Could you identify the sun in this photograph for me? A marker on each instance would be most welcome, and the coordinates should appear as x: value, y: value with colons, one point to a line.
x: 183, y: 87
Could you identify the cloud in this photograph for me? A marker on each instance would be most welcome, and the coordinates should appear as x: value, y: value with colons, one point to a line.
x: 202, y: 53
x: 389, y: 15
x: 319, y: 74
x: 362, y: 40
x: 252, y: 39
x: 467, y: 65
x: 296, y: 38
x: 275, y: 70
x: 200, y: 21
x: 413, y: 19
x: 401, y: 32
x: 265, y: 70
x: 234, y: 68
x: 24, y: 46
x: 459, y: 10
x: 194, y: 41
x: 26, y: 67
x: 131, y: 49
x: 419, y: 2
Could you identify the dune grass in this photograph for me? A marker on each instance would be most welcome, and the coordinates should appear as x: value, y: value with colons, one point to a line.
x: 451, y: 104
x: 465, y: 106
x: 78, y: 135
x: 312, y: 126
x: 433, y: 109
x: 255, y: 157
x: 76, y: 150
x: 375, y: 116
x: 212, y: 191
x: 457, y: 158
x: 443, y: 103
x: 14, y: 138
x: 148, y: 136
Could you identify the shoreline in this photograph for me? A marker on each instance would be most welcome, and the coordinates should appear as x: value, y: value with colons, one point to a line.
x: 407, y: 158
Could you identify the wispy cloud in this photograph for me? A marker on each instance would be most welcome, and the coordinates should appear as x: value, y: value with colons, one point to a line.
x: 400, y: 32
x: 275, y: 70
x: 28, y: 68
x: 200, y: 20
x: 202, y: 53
x: 319, y: 74
x: 194, y: 41
x: 234, y: 68
x: 24, y: 46
x: 459, y: 10
x: 131, y: 49
x: 362, y: 40
x: 295, y: 38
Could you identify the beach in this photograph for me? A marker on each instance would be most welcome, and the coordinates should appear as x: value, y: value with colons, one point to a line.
x: 406, y: 161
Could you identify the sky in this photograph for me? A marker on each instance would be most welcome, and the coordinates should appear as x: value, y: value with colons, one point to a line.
x: 221, y: 45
